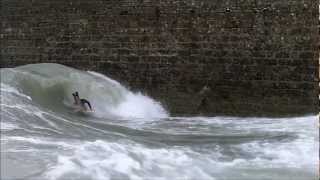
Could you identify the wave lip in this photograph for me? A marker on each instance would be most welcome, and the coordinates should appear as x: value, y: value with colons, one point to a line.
x: 52, y: 85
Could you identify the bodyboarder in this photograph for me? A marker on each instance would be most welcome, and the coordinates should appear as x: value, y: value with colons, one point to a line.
x: 83, y: 104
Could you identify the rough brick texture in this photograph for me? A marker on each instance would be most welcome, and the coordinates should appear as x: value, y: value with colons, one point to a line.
x: 255, y: 57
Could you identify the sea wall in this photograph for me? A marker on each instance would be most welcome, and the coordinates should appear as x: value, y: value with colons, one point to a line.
x: 231, y: 57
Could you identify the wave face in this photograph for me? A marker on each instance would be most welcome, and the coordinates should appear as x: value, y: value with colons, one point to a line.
x: 131, y: 136
x: 52, y: 85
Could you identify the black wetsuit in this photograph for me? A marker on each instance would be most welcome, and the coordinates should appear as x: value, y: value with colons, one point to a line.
x: 81, y: 101
x: 84, y: 101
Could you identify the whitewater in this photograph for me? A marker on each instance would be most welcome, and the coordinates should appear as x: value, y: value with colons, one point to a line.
x: 131, y: 136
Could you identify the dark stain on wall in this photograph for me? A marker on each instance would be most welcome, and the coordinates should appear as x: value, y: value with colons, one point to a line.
x: 210, y: 57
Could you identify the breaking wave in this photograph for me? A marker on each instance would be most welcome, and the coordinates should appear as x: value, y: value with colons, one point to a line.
x: 52, y: 85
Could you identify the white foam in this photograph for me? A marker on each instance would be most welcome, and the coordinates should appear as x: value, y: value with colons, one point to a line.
x: 124, y: 159
x: 133, y: 105
x: 139, y: 106
x: 65, y: 166
x: 33, y: 111
x: 10, y: 89
x: 103, y: 160
x: 44, y: 141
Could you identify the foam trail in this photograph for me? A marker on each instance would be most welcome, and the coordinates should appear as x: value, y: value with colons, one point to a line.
x: 8, y: 89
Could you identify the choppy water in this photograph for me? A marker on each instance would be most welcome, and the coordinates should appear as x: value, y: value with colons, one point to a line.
x: 130, y: 136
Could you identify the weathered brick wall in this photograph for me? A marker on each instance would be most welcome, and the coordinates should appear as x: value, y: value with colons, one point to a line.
x: 255, y: 57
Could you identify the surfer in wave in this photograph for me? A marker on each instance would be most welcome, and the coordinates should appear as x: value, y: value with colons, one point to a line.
x: 82, y: 103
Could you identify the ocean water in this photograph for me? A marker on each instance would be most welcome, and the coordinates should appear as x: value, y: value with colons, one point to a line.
x: 131, y: 136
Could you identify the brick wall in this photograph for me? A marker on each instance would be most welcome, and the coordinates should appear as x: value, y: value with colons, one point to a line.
x: 234, y: 57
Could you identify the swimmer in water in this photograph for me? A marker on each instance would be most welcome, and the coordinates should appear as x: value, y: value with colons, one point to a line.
x: 81, y: 102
